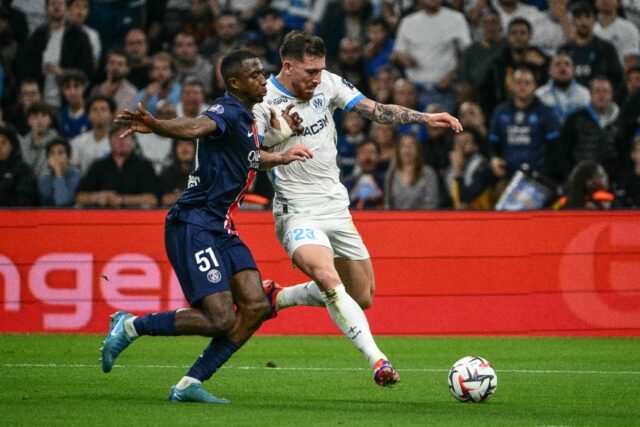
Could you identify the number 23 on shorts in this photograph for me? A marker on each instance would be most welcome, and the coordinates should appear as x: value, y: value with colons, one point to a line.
x: 303, y: 233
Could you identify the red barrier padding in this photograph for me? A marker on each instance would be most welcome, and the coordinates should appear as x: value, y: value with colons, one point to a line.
x: 437, y: 273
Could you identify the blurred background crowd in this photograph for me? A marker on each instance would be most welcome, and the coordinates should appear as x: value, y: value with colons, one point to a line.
x: 547, y: 91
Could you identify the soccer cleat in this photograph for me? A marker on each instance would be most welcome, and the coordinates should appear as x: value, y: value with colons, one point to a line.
x: 116, y: 341
x: 385, y: 374
x: 271, y: 290
x: 194, y: 393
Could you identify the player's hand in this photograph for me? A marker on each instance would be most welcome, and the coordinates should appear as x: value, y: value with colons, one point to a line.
x: 293, y: 119
x: 297, y: 152
x: 140, y: 121
x: 439, y: 120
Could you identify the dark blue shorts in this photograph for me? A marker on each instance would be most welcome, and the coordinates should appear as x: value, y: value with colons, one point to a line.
x: 204, y: 260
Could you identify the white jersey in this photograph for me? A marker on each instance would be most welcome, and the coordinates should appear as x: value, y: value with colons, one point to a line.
x: 312, y: 186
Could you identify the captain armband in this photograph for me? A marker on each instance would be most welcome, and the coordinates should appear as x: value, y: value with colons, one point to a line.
x: 276, y: 136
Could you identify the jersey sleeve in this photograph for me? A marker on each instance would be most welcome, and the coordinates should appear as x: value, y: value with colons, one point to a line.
x: 343, y: 94
x: 263, y: 116
x: 219, y: 114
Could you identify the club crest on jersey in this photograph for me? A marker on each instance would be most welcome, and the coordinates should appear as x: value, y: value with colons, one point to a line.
x: 318, y: 103
x: 217, y: 108
x: 214, y: 276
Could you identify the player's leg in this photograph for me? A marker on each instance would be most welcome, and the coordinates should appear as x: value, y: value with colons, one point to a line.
x: 358, y: 279
x: 252, y: 309
x: 317, y: 262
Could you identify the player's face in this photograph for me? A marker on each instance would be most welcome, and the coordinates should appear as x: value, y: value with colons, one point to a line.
x: 251, y: 84
x: 305, y: 75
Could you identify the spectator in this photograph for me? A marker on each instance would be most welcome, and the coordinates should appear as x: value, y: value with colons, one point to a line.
x: 136, y: 47
x: 385, y: 138
x: 272, y: 31
x: 343, y: 19
x: 523, y: 130
x: 352, y: 135
x: 53, y: 47
x: 513, y: 9
x: 190, y: 63
x: 628, y: 180
x: 430, y: 58
x: 381, y: 84
x: 11, y: 35
x: 162, y: 34
x: 113, y: 19
x: 200, y: 23
x: 365, y: 185
x: 631, y: 85
x: 409, y: 183
x: 406, y: 94
x: 191, y: 99
x: 17, y: 182
x: 552, y: 28
x: 163, y: 84
x: 562, y: 92
x: 471, y: 115
x: 518, y: 52
x: 156, y: 148
x: 378, y: 47
x: 591, y: 55
x: 174, y: 177
x: 34, y: 12
x: 469, y: 179
x: 350, y: 63
x: 57, y: 187
x: 16, y: 114
x: 78, y: 11
x: 618, y: 31
x: 116, y: 85
x: 301, y: 14
x: 121, y: 180
x: 73, y: 118
x: 478, y: 57
x: 33, y: 144
x: 93, y: 144
x: 435, y: 150
x: 229, y: 35
x: 587, y: 187
x: 592, y: 133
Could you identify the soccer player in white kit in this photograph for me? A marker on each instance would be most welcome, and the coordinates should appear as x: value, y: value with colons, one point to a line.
x: 311, y: 206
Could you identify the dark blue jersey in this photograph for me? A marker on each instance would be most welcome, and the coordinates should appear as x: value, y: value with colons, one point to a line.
x: 226, y: 162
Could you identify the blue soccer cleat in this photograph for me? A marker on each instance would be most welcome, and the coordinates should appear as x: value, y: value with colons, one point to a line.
x: 194, y: 393
x: 116, y: 341
x: 385, y: 374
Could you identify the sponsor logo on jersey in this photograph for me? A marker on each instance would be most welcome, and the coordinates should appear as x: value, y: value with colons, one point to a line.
x: 254, y: 159
x: 314, y: 128
x: 193, y: 181
x: 214, y: 276
x: 277, y: 101
x: 318, y: 103
x: 217, y: 108
x: 348, y: 84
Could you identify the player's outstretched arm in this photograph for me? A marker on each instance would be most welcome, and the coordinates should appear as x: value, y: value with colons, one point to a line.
x: 179, y: 128
x: 391, y: 114
x: 298, y: 152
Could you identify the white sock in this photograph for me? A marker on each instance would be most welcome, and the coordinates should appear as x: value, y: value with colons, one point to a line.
x: 303, y: 294
x: 129, y: 329
x: 186, y: 382
x: 349, y: 317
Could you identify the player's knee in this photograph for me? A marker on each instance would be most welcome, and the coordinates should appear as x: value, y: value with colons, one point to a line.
x: 365, y: 301
x: 325, y: 276
x: 259, y: 310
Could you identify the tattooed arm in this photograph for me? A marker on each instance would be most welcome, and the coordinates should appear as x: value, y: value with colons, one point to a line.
x: 391, y: 114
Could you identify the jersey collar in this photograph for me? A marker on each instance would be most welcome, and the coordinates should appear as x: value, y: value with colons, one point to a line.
x: 279, y: 86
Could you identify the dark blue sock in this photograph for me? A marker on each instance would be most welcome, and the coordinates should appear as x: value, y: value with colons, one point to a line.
x: 212, y: 358
x: 157, y: 324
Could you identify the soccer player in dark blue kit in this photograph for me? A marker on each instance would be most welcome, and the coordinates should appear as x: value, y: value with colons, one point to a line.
x: 215, y: 268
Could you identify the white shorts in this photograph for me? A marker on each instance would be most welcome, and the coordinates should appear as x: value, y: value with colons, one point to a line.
x: 336, y: 233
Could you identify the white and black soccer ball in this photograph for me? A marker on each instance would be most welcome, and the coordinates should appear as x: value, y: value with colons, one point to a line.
x: 472, y: 379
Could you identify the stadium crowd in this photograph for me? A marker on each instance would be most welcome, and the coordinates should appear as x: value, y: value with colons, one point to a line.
x: 547, y: 91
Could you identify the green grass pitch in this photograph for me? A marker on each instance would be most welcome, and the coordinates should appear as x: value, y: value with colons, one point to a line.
x: 57, y: 380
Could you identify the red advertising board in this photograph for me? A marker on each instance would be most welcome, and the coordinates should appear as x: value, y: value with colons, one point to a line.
x: 437, y: 273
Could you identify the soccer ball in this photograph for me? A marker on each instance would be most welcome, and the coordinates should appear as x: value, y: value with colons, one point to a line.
x: 472, y: 379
